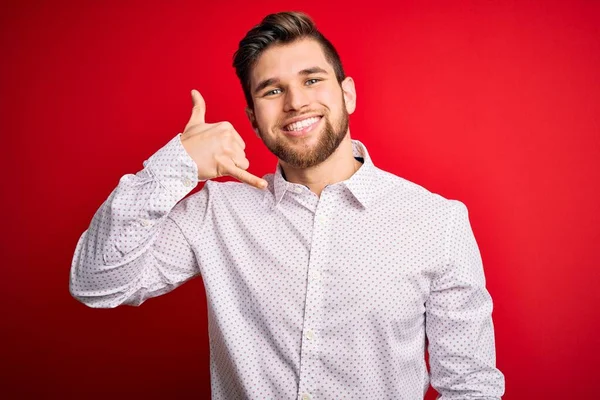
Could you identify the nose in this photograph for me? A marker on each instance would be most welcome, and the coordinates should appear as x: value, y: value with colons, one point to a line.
x: 295, y: 99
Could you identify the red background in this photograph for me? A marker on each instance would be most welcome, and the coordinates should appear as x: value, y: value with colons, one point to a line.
x: 494, y: 103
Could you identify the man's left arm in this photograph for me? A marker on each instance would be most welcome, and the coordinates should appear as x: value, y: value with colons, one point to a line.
x: 462, y: 354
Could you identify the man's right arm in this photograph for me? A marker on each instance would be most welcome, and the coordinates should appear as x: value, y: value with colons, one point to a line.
x: 133, y: 250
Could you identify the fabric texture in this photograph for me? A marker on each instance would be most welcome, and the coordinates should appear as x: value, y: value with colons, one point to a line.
x: 330, y: 297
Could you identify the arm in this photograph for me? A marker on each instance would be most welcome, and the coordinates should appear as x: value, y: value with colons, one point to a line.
x: 459, y: 323
x: 132, y: 249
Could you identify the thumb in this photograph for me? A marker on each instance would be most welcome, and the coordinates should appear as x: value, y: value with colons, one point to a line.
x: 199, y: 109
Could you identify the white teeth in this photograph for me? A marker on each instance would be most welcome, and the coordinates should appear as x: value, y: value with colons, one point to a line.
x: 296, y: 126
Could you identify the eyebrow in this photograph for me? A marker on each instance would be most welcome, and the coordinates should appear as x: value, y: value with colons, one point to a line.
x: 304, y: 72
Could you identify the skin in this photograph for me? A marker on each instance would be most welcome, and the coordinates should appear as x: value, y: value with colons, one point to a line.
x: 294, y: 93
x: 302, y: 83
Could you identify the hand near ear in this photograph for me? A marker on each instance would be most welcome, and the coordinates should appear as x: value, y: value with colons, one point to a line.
x: 217, y: 149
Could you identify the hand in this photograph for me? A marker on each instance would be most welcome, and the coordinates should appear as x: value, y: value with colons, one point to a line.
x: 217, y: 149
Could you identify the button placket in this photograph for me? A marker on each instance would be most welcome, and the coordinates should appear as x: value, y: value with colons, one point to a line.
x: 311, y: 343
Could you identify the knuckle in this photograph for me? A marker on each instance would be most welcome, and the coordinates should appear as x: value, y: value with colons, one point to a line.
x: 237, y: 139
x: 226, y: 125
x: 232, y: 137
x: 244, y: 163
x: 227, y: 149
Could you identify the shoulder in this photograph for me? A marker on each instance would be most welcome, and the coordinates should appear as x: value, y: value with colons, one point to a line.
x: 217, y: 194
x: 413, y: 197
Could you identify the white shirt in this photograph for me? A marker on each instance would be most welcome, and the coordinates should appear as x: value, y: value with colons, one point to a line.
x: 308, y: 297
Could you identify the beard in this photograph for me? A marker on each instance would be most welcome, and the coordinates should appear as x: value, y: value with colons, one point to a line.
x: 306, y: 157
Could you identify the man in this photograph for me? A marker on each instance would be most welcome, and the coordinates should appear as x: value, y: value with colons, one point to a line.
x: 324, y: 279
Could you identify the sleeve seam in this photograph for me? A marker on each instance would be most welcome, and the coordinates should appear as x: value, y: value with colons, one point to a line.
x: 449, y: 227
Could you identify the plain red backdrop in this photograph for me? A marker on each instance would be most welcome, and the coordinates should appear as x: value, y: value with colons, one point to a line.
x: 494, y: 103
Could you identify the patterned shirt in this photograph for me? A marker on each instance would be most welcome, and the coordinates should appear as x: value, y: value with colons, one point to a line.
x: 330, y: 297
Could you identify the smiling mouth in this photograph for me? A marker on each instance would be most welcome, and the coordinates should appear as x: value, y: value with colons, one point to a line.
x: 300, y: 126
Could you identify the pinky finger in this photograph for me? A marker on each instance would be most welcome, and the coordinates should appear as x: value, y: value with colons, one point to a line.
x: 245, y: 176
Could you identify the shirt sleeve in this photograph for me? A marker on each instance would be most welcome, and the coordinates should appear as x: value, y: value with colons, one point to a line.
x: 459, y: 327
x: 133, y: 250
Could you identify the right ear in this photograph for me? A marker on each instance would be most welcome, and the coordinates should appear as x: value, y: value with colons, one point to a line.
x: 252, y: 119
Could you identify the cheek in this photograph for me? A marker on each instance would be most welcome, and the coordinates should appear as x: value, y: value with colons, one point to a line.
x: 265, y: 116
x: 331, y: 98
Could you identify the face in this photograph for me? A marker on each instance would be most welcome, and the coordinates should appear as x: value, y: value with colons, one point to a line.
x: 300, y: 110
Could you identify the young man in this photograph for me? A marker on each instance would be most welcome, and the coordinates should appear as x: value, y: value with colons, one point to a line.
x: 324, y: 279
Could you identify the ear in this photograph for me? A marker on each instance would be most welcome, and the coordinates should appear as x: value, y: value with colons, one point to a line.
x: 252, y: 119
x: 349, y: 94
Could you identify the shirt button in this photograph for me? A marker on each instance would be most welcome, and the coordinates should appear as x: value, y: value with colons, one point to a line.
x: 298, y: 189
x: 310, y: 334
x: 306, y: 396
x: 321, y: 219
x: 316, y: 276
x: 145, y: 222
x: 187, y: 182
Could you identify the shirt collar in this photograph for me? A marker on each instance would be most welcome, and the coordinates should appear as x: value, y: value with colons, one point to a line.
x: 360, y: 184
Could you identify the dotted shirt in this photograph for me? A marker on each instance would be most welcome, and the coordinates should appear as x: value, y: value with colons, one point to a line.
x: 308, y: 297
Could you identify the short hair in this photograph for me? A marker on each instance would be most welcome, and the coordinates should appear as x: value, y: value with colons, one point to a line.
x: 280, y: 28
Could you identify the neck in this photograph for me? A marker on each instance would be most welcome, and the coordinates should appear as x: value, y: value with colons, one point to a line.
x: 340, y: 165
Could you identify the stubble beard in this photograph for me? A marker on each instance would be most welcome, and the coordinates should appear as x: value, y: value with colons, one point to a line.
x: 328, y: 142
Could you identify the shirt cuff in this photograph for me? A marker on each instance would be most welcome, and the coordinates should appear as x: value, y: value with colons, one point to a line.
x: 173, y: 168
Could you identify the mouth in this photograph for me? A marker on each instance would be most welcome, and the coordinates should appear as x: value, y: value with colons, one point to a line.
x: 302, y: 127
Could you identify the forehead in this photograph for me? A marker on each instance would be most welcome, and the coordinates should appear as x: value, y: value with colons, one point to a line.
x: 284, y: 61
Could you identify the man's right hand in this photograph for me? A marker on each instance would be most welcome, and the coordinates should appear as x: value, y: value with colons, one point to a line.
x: 217, y: 149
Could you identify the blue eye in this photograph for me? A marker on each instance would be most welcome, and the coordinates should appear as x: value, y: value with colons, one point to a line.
x: 314, y: 80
